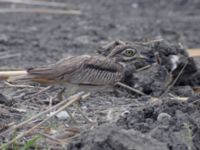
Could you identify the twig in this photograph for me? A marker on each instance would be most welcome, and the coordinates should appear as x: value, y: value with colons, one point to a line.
x: 13, y: 73
x: 6, y: 56
x: 42, y: 113
x: 143, y: 68
x: 18, y: 86
x: 29, y: 96
x: 73, y: 99
x: 41, y: 91
x: 51, y: 138
x: 50, y: 101
x: 40, y: 10
x: 5, y: 75
x: 130, y: 88
x: 195, y: 52
x: 82, y: 113
x: 175, y: 80
x: 39, y: 3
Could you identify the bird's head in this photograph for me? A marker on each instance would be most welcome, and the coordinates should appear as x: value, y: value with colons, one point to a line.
x: 126, y: 54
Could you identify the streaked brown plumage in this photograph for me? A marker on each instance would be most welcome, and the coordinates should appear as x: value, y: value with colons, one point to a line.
x: 85, y: 70
x: 79, y: 70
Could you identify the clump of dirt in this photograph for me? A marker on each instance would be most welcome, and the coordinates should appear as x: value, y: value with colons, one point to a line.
x: 152, y: 81
x: 170, y: 64
x: 167, y: 123
x: 111, y: 137
x: 168, y: 120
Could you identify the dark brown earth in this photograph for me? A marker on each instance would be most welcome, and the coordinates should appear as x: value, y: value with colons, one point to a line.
x: 124, y: 120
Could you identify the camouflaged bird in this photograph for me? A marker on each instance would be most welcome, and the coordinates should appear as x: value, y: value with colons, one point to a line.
x: 85, y: 70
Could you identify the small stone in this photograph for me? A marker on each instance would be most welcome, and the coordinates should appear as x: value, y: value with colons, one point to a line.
x: 63, y: 115
x: 163, y: 118
x: 135, y: 5
x: 125, y: 114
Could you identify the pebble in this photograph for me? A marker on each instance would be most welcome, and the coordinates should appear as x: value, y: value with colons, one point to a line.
x: 163, y: 118
x: 63, y: 115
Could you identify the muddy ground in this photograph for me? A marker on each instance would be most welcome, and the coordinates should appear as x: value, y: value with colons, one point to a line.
x: 123, y: 120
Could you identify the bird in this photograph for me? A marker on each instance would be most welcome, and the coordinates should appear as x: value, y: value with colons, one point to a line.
x: 84, y: 71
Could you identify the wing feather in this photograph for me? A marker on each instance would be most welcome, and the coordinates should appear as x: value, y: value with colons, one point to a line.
x: 98, y: 71
x: 94, y: 70
x: 58, y: 71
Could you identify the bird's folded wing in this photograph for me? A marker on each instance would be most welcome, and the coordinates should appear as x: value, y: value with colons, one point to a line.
x: 89, y: 70
x: 56, y: 71
x: 97, y: 71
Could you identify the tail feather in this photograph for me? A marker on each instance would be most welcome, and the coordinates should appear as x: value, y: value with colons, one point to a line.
x: 41, y: 75
x: 31, y: 78
x: 40, y: 71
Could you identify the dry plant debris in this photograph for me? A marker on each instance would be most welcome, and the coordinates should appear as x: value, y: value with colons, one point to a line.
x: 60, y: 106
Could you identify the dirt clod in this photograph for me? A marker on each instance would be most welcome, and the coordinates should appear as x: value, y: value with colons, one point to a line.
x: 115, y: 138
x: 170, y: 121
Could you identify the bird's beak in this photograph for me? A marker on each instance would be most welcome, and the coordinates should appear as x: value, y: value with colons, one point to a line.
x: 146, y: 59
x: 142, y: 57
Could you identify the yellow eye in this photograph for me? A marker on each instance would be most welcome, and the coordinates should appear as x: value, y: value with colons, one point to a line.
x: 129, y: 52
